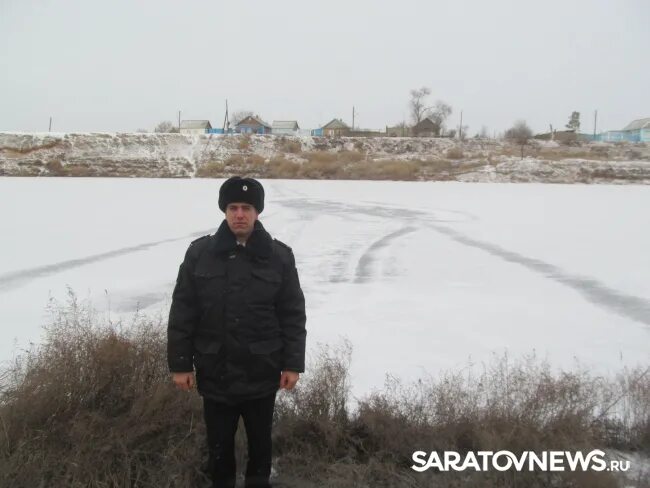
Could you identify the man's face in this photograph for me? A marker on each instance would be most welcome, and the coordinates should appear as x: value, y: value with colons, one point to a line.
x: 241, y: 218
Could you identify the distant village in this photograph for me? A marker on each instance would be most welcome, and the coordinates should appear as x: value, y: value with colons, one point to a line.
x: 636, y: 131
x: 253, y: 124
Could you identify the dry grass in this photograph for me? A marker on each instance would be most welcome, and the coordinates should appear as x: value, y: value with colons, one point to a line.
x: 513, y: 406
x: 455, y: 153
x: 235, y: 162
x: 212, y: 169
x: 321, y: 156
x: 244, y: 143
x: 322, y: 168
x: 288, y: 146
x: 255, y: 160
x: 283, y: 169
x: 384, y: 170
x: 55, y: 168
x: 93, y: 407
x: 21, y: 151
x: 351, y: 156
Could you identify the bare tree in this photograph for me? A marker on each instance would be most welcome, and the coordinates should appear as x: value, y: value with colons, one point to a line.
x: 418, y: 104
x: 419, y: 109
x: 439, y: 114
x: 240, y: 115
x: 520, y: 134
x: 166, y: 127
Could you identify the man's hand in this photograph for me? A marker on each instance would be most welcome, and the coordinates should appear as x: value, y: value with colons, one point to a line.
x: 183, y: 381
x: 288, y: 380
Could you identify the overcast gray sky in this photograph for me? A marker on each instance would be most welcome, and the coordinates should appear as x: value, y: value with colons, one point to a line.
x: 120, y: 65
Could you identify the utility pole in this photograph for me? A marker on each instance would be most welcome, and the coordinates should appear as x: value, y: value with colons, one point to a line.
x: 460, y: 129
x: 595, y: 122
x: 179, y: 120
x: 50, y: 129
x: 352, y: 117
x: 226, y: 122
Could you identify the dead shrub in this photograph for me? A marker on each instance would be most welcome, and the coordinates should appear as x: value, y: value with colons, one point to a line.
x: 80, y: 170
x: 212, y: 169
x: 455, y: 153
x: 390, y: 170
x: 351, y: 156
x: 244, y: 142
x: 289, y: 146
x: 55, y: 168
x: 235, y: 160
x: 601, y: 151
x: 255, y: 160
x: 93, y: 406
x: 322, y: 169
x: 283, y: 168
x: 633, y: 154
x: 320, y: 156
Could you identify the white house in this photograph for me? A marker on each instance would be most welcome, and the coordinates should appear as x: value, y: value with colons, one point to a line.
x: 195, y: 126
x: 287, y: 127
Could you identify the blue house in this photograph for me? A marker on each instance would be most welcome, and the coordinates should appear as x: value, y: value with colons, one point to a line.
x: 636, y: 131
x: 253, y: 125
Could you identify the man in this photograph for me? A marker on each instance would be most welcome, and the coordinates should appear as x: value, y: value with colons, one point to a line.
x: 238, y: 317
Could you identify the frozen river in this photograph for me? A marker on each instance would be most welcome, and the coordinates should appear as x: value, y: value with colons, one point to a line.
x: 418, y: 276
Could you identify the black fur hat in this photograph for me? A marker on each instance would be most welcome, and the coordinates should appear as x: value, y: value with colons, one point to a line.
x: 238, y: 189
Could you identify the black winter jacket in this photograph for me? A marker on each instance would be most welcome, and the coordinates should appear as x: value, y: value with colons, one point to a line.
x: 237, y: 315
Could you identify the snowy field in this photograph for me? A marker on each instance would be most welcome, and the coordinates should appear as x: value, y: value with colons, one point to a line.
x: 420, y: 277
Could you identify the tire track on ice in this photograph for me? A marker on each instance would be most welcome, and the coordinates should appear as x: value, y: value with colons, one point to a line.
x: 624, y: 304
x: 21, y: 277
x: 367, y: 260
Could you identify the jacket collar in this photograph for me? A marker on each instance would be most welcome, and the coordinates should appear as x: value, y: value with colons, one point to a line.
x: 258, y: 244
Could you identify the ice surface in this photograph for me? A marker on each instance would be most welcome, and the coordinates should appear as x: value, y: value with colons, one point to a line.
x: 420, y: 277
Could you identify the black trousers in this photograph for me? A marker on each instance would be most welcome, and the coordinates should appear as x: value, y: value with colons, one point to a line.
x: 221, y: 421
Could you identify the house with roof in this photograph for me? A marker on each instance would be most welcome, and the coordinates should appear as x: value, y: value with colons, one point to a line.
x: 195, y: 126
x: 334, y: 128
x: 285, y: 127
x: 426, y: 128
x: 253, y: 124
x: 636, y: 131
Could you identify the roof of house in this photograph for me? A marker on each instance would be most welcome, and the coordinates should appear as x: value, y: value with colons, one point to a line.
x: 195, y: 124
x: 638, y: 124
x: 254, y: 119
x: 335, y: 124
x: 425, y: 122
x: 285, y: 124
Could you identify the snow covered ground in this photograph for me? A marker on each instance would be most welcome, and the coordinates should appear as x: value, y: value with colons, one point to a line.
x: 419, y: 276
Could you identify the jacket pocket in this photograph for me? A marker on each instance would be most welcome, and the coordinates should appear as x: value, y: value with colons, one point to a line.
x: 266, y: 359
x: 267, y: 275
x: 209, y: 284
